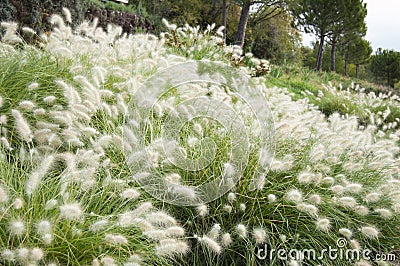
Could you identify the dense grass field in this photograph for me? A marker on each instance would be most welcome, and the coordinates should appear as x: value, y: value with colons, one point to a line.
x: 178, y: 150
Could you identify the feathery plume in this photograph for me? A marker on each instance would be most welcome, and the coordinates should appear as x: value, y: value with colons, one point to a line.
x: 294, y: 195
x: 385, y: 213
x: 271, y: 198
x: 8, y: 255
x: 49, y: 99
x: 171, y: 247
x: 202, y: 210
x: 241, y: 230
x: 227, y: 208
x: 347, y: 202
x: 116, y: 239
x: 130, y: 194
x: 22, y: 126
x: 214, y: 232
x: 51, y: 204
x: 33, y: 86
x: 346, y: 232
x: 18, y: 203
x: 71, y: 211
x: 323, y: 224
x: 160, y: 218
x: 27, y: 105
x: 99, y: 225
x: 36, y: 177
x: 210, y: 244
x: 353, y: 188
x: 259, y: 235
x: 226, y: 239
x: 175, y: 231
x: 44, y: 227
x: 3, y: 195
x: 231, y: 197
x: 361, y: 210
x: 372, y: 197
x: 370, y: 231
x: 17, y: 227
x: 67, y: 15
x: 315, y: 198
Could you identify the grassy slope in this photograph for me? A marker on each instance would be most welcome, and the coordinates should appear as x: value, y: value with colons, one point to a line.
x: 280, y: 219
x: 305, y: 83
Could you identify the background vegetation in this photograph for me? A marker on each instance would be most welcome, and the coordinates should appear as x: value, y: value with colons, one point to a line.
x: 269, y: 29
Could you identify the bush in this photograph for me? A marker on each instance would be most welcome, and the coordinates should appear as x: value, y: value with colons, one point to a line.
x: 36, y: 13
x: 7, y: 10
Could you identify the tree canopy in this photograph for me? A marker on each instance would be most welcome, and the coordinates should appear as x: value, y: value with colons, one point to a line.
x: 385, y: 66
x: 331, y: 19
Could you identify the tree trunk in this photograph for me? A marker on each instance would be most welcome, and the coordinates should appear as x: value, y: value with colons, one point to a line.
x: 320, y: 52
x: 244, y: 18
x: 357, y: 69
x: 333, y: 57
x: 346, y: 65
x: 224, y: 18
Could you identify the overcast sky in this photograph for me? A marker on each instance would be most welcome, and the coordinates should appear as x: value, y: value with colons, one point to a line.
x: 383, y: 22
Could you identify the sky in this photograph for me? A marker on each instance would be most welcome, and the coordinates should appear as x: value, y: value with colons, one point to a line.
x: 383, y: 22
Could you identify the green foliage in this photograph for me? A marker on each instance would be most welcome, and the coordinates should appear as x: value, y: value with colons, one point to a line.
x: 7, y: 10
x: 125, y: 17
x: 180, y: 12
x: 359, y: 51
x: 315, y: 16
x: 275, y: 39
x: 36, y: 13
x: 114, y: 6
x: 385, y: 66
x: 349, y: 22
x: 334, y: 19
x: 310, y: 58
x: 350, y: 26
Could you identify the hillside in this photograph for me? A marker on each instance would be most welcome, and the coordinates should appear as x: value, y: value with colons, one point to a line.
x: 178, y: 150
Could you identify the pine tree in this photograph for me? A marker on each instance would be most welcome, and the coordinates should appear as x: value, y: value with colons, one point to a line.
x: 350, y: 25
x: 385, y: 65
x: 317, y: 17
x: 358, y: 52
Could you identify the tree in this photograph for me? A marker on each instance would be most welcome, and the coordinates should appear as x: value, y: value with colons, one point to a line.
x: 349, y: 25
x: 245, y: 15
x: 318, y: 17
x: 332, y: 19
x: 200, y: 12
x: 358, y: 53
x: 276, y: 39
x: 385, y: 65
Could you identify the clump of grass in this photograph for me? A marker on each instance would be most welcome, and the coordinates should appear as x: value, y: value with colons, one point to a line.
x: 65, y: 192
